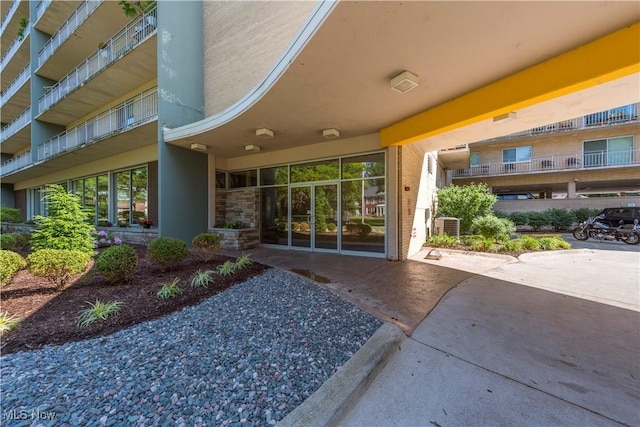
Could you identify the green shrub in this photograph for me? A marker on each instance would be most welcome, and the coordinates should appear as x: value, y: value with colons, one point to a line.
x: 582, y: 214
x: 8, y: 322
x: 492, y: 227
x: 443, y: 241
x: 332, y: 227
x: 167, y: 251
x: 530, y: 243
x: 201, y: 279
x: 206, y: 246
x: 465, y: 202
x: 243, y: 262
x: 7, y: 242
x: 511, y: 246
x: 483, y: 244
x: 117, y: 263
x: 553, y: 243
x: 519, y: 218
x: 57, y: 265
x: 23, y: 241
x: 169, y: 290
x: 10, y: 215
x: 226, y: 269
x: 65, y: 226
x: 538, y: 220
x: 98, y: 311
x: 10, y: 264
x: 560, y: 219
x: 304, y: 226
x: 364, y: 229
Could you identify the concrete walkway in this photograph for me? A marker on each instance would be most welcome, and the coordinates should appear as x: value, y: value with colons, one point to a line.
x: 543, y: 339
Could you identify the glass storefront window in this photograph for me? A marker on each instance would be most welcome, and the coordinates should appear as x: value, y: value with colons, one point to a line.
x: 325, y: 170
x: 221, y: 180
x: 368, y: 165
x: 274, y: 216
x: 103, y: 199
x: 274, y: 176
x: 363, y: 215
x: 123, y: 197
x: 139, y: 194
x: 241, y: 179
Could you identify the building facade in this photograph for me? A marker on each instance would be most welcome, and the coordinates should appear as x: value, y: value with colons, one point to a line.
x: 317, y: 124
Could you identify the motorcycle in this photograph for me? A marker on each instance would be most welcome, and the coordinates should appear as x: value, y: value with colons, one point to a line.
x: 595, y: 229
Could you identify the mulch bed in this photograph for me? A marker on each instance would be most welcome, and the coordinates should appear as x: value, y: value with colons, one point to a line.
x: 49, y: 317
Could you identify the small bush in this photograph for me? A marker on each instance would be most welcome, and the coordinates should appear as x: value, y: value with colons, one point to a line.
x: 104, y: 239
x: 295, y: 226
x: 560, y: 219
x: 226, y: 269
x: 511, y: 246
x: 332, y: 227
x: 582, y: 214
x: 206, y: 246
x: 553, y: 243
x: 519, y: 218
x: 483, y: 244
x: 98, y: 311
x: 7, y: 242
x: 8, y: 322
x: 443, y: 241
x: 117, y: 263
x: 10, y: 215
x: 10, y: 264
x: 304, y: 227
x: 23, y: 241
x: 364, y: 229
x: 169, y: 290
x: 492, y: 227
x: 167, y: 251
x: 243, y: 262
x: 538, y: 220
x: 530, y: 243
x: 201, y: 279
x: 57, y: 265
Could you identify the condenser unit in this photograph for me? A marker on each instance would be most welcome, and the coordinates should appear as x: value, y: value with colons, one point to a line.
x: 449, y: 226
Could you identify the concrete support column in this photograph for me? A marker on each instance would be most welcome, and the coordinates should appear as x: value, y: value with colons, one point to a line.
x: 571, y: 190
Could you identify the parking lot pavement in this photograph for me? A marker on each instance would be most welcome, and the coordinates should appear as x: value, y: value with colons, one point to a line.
x: 604, y: 245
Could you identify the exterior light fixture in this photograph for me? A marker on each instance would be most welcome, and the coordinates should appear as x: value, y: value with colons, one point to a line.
x: 198, y: 147
x: 331, y: 133
x: 252, y: 147
x: 504, y: 118
x: 404, y: 82
x: 264, y: 133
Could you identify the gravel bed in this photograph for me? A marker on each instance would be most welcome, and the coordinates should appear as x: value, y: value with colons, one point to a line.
x: 245, y: 357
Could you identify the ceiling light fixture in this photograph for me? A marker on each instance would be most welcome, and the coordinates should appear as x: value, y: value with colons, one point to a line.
x: 252, y: 147
x: 404, y: 82
x: 264, y: 133
x: 504, y: 118
x: 198, y: 147
x: 331, y: 133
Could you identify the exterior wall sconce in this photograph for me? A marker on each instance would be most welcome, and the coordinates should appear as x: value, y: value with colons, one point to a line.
x: 252, y: 147
x: 331, y: 133
x: 404, y: 82
x: 264, y: 133
x: 198, y: 147
x: 504, y: 118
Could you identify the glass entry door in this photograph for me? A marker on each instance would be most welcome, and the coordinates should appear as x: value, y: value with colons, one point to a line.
x: 314, y: 216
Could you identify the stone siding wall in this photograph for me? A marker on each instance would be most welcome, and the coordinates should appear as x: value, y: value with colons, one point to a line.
x: 241, y: 205
x: 238, y: 240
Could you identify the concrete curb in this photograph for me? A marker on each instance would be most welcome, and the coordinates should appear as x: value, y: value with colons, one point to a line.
x: 336, y: 397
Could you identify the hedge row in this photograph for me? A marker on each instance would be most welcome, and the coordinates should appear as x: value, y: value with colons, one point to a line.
x: 559, y: 219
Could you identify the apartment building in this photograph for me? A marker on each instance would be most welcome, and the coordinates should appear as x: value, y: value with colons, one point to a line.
x: 594, y: 154
x: 316, y: 124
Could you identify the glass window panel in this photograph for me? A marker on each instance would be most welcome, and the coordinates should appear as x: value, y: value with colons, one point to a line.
x: 221, y: 180
x: 274, y: 229
x: 103, y: 199
x: 123, y: 197
x: 274, y: 176
x: 523, y: 154
x: 139, y: 194
x: 474, y: 159
x: 315, y: 171
x: 364, y: 233
x: 77, y: 188
x: 620, y: 150
x: 369, y: 165
x: 90, y: 198
x: 240, y: 179
x: 595, y: 153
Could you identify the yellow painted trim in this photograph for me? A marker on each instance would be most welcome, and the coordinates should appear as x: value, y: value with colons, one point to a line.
x: 609, y: 58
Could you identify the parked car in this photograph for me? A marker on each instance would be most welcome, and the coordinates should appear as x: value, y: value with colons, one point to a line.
x: 515, y: 196
x: 613, y: 216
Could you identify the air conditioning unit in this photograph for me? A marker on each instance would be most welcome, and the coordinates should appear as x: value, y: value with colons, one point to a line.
x: 449, y: 226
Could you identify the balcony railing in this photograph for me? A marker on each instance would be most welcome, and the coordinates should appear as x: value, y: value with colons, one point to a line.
x: 79, y: 16
x: 15, y: 46
x: 15, y: 164
x: 7, y: 17
x: 41, y: 7
x: 554, y: 163
x: 18, y: 123
x: 131, y: 36
x: 15, y: 85
x: 130, y: 114
x: 625, y: 114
